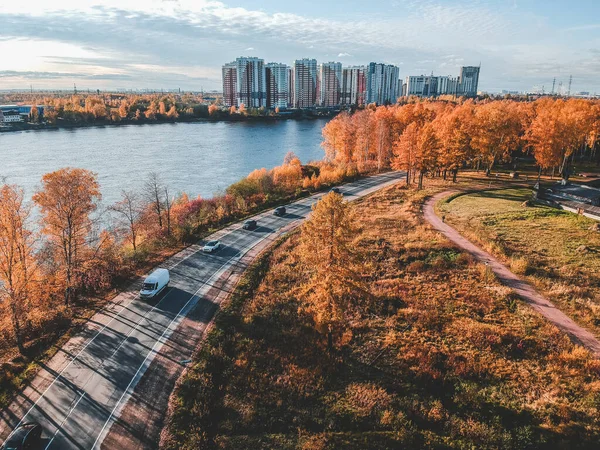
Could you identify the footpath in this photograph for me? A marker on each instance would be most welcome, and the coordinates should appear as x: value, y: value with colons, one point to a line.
x: 525, y: 290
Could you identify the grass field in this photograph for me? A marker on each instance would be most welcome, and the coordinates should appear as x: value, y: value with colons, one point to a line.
x: 555, y: 249
x: 443, y: 358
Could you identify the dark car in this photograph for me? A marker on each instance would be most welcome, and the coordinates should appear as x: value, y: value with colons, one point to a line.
x: 336, y: 190
x: 279, y: 211
x: 250, y: 224
x: 27, y: 437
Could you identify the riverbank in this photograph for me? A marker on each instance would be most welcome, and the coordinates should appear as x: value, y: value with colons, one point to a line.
x: 62, y: 124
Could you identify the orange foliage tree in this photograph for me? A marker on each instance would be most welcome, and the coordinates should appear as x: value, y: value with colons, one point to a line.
x: 333, y: 291
x: 17, y: 258
x: 67, y: 199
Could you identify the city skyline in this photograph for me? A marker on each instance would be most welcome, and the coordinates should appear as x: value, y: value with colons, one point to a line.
x: 130, y: 44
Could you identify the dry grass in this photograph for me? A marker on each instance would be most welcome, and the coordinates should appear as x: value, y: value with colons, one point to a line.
x: 443, y: 357
x: 543, y: 243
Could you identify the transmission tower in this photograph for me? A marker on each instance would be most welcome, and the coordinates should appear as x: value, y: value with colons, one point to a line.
x: 553, y: 85
x: 570, y: 83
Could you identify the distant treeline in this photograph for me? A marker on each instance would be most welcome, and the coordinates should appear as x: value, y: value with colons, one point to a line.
x: 82, y: 109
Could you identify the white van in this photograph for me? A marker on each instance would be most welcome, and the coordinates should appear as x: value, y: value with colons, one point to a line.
x: 155, y: 283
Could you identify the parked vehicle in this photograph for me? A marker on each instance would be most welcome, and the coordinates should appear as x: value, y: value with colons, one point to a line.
x: 155, y: 283
x: 26, y: 437
x: 279, y: 211
x: 211, y: 246
x: 250, y: 224
x: 336, y: 190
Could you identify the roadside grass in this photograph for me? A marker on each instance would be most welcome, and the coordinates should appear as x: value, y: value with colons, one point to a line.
x: 556, y: 250
x: 444, y: 357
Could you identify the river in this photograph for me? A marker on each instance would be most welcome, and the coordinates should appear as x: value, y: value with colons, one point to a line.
x: 200, y: 158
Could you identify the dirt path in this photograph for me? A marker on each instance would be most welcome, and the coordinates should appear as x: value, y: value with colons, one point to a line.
x: 525, y: 290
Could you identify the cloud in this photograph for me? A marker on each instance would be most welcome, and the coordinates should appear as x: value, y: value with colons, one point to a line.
x: 186, y: 41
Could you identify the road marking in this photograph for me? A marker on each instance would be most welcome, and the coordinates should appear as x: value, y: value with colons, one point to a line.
x: 63, y: 422
x: 154, y: 351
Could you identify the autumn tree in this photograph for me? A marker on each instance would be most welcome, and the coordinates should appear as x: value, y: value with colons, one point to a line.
x: 289, y: 157
x: 213, y: 109
x: 123, y: 109
x: 455, y: 134
x: 67, y: 199
x: 496, y: 132
x: 173, y: 114
x: 34, y: 115
x: 334, y: 289
x: 17, y: 258
x: 405, y: 150
x: 426, y: 156
x: 130, y: 209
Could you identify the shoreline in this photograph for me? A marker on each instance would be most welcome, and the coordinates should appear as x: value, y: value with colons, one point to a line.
x: 68, y: 126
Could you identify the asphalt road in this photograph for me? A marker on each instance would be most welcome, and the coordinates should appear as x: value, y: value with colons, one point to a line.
x: 81, y: 401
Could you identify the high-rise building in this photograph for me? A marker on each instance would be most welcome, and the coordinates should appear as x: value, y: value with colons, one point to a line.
x: 229, y: 84
x: 429, y: 85
x: 277, y: 76
x: 291, y: 90
x: 382, y: 83
x: 354, y: 86
x: 468, y: 81
x: 251, y: 83
x: 305, y: 83
x: 330, y: 84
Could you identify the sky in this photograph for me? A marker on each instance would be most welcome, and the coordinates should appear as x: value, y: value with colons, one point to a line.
x: 168, y: 44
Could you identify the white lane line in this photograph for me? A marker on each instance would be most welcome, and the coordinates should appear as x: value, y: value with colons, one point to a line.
x: 76, y: 357
x: 63, y: 422
x: 154, y: 350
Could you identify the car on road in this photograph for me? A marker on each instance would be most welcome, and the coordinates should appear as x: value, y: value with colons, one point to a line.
x: 250, y: 224
x: 279, y: 211
x: 336, y: 190
x: 155, y: 283
x: 27, y: 436
x: 211, y: 246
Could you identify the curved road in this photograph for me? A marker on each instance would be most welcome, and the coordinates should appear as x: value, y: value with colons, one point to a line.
x: 81, y: 392
x: 525, y: 290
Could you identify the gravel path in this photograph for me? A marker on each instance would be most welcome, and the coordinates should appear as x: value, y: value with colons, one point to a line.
x: 525, y: 290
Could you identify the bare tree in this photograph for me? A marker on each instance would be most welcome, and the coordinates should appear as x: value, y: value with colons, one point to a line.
x: 168, y: 206
x: 152, y: 190
x: 130, y: 210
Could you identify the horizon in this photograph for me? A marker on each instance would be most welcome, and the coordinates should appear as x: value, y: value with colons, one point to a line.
x: 182, y: 44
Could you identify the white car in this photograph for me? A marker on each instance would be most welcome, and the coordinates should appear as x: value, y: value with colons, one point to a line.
x: 211, y: 246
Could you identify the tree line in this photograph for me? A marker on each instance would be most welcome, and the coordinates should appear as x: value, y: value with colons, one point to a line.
x: 79, y: 109
x: 442, y: 137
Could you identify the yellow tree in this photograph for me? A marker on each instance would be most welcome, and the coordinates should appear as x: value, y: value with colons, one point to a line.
x: 496, y: 132
x: 426, y: 157
x: 327, y: 251
x: 405, y: 150
x: 546, y: 134
x: 455, y: 132
x: 67, y: 199
x: 17, y: 259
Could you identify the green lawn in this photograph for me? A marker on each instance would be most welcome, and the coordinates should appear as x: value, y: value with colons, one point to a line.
x: 555, y: 249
